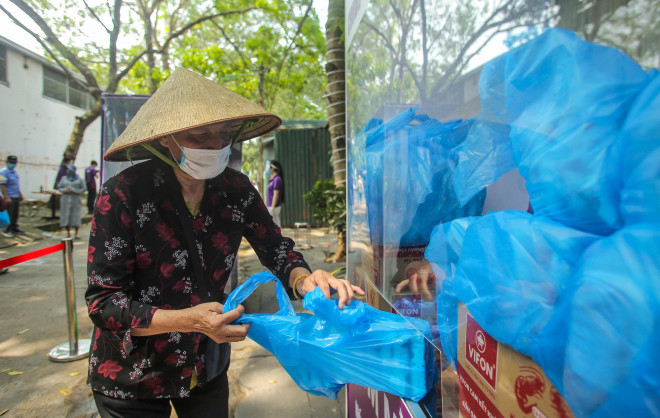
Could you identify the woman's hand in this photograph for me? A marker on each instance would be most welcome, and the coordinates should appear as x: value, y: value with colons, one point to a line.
x: 325, y: 281
x: 208, y: 319
x: 418, y: 277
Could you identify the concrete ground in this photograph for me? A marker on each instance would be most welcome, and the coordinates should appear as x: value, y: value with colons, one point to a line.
x: 33, y: 321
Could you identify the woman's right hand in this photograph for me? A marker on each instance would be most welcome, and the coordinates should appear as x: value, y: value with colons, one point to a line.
x: 208, y: 319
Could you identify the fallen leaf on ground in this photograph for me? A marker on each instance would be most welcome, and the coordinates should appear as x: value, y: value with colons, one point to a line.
x: 14, y: 373
x: 272, y: 381
x: 74, y: 374
x: 4, y: 411
x: 65, y: 392
x: 22, y: 332
x: 4, y: 370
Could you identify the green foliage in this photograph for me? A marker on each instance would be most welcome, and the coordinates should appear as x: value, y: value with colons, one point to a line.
x: 328, y: 202
x: 265, y: 55
x: 250, y: 157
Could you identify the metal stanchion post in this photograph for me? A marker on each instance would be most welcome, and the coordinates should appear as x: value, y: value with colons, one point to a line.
x: 74, y: 349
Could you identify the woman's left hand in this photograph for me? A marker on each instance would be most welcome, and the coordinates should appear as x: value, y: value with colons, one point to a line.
x: 325, y: 281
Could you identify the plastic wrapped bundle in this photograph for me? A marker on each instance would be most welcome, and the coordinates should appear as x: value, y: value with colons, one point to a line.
x: 553, y: 107
x: 640, y: 157
x: 513, y: 271
x: 443, y: 252
x: 509, y: 268
x: 404, y: 205
x: 358, y: 344
x: 612, y: 361
x: 585, y: 308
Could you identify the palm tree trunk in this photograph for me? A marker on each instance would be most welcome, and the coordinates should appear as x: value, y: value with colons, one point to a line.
x: 335, y: 97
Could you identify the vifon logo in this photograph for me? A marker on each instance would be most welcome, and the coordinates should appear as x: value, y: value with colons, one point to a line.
x: 481, y: 341
x: 481, y: 351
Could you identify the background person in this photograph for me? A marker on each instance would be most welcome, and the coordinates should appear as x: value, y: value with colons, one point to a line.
x: 61, y: 172
x: 11, y: 192
x: 275, y: 194
x: 91, y: 174
x: 54, y: 200
x: 72, y: 187
x: 163, y: 242
x: 3, y: 224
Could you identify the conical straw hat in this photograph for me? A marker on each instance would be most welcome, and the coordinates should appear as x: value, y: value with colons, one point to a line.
x: 187, y: 100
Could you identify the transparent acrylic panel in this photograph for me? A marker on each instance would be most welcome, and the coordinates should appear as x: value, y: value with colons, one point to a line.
x: 416, y: 85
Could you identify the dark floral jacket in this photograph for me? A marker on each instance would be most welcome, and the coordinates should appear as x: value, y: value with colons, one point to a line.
x: 139, y: 261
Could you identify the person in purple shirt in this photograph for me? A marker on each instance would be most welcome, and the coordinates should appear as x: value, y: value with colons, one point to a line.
x: 275, y: 194
x: 91, y: 173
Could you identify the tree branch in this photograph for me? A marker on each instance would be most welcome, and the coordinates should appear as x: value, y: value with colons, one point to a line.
x: 290, y: 46
x: 451, y: 70
x: 114, y: 35
x: 185, y: 28
x: 373, y: 27
x: 52, y: 39
x: 236, y: 48
x: 50, y: 52
x: 95, y: 16
x: 122, y: 73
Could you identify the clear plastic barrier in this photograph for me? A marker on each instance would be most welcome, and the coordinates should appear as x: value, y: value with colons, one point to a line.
x: 491, y: 145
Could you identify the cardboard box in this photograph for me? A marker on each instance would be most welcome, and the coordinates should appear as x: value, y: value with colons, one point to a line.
x: 497, y: 381
x: 375, y: 299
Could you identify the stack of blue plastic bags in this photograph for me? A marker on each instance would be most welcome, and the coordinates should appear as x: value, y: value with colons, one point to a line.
x: 409, y: 173
x: 576, y: 285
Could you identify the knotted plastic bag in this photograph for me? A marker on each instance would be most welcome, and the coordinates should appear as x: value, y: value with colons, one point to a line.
x: 358, y: 344
x: 509, y: 268
x: 610, y: 362
x: 443, y: 253
x: 640, y: 157
x: 553, y: 107
x: 585, y: 308
x: 405, y: 204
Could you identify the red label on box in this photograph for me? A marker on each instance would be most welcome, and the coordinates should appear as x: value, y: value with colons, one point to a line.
x: 481, y: 351
x: 473, y: 403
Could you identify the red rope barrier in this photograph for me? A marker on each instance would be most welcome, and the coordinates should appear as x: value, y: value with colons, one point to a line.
x: 31, y: 255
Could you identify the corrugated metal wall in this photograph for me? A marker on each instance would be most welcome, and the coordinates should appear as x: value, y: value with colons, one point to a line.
x: 305, y: 157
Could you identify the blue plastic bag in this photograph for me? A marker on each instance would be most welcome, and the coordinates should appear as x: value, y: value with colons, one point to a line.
x: 553, y: 107
x: 585, y: 308
x: 358, y: 344
x: 443, y: 253
x: 4, y: 219
x: 405, y: 204
x: 509, y: 268
x: 612, y: 324
x: 640, y: 157
x: 514, y: 269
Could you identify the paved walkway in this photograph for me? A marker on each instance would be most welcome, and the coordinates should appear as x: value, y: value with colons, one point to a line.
x: 33, y: 320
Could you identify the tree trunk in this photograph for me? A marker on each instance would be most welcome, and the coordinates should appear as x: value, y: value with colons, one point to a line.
x: 260, y: 144
x: 335, y: 98
x: 81, y: 124
x: 336, y: 88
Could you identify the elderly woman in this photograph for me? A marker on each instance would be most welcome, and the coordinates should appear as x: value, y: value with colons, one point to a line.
x: 72, y: 187
x: 163, y: 242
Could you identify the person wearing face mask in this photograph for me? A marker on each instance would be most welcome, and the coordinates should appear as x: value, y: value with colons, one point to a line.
x: 275, y: 194
x: 72, y: 186
x: 11, y: 193
x: 164, y: 239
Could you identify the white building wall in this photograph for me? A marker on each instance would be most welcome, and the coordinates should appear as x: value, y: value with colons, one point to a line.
x: 37, y: 128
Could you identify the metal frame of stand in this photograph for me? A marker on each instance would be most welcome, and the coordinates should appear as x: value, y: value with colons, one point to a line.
x: 74, y: 349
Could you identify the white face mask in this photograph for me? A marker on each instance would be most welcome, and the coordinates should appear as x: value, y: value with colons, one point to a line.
x: 203, y: 164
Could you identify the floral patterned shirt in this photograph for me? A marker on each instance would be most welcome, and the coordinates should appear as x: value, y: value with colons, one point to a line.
x: 139, y: 261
